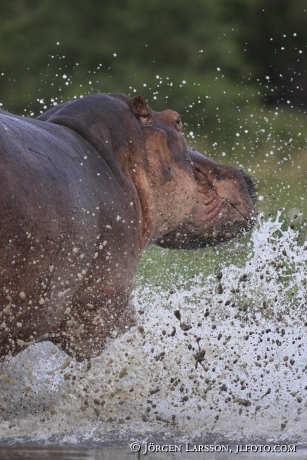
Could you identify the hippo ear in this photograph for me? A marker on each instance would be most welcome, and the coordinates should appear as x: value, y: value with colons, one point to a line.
x: 140, y: 109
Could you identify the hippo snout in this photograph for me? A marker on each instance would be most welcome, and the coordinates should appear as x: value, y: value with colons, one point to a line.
x: 225, y: 206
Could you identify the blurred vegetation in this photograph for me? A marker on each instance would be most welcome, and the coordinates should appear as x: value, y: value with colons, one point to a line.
x: 234, y: 69
x: 230, y: 53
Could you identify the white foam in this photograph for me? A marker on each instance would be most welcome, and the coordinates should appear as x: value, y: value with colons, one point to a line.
x: 249, y: 322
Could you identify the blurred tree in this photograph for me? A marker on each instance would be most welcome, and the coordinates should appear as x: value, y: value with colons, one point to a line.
x: 200, y: 57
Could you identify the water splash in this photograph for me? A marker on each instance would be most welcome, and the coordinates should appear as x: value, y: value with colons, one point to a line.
x: 229, y: 364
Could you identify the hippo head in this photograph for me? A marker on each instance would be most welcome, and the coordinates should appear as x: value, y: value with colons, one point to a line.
x: 194, y: 202
x: 184, y: 200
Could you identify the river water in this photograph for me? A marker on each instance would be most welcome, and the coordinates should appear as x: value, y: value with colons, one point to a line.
x: 227, y: 369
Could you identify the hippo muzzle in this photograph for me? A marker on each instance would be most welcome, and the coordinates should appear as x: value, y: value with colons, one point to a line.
x: 224, y: 206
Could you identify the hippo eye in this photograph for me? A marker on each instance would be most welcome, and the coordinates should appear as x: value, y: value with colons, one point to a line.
x: 178, y: 124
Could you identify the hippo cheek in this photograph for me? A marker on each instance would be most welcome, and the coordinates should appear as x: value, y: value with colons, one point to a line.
x: 171, y: 185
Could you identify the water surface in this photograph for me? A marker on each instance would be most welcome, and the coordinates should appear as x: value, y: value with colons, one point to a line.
x: 229, y: 367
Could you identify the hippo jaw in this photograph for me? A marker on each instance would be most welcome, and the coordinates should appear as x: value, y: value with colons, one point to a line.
x: 224, y: 207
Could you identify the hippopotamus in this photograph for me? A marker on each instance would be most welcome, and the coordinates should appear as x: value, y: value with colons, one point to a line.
x: 85, y: 187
